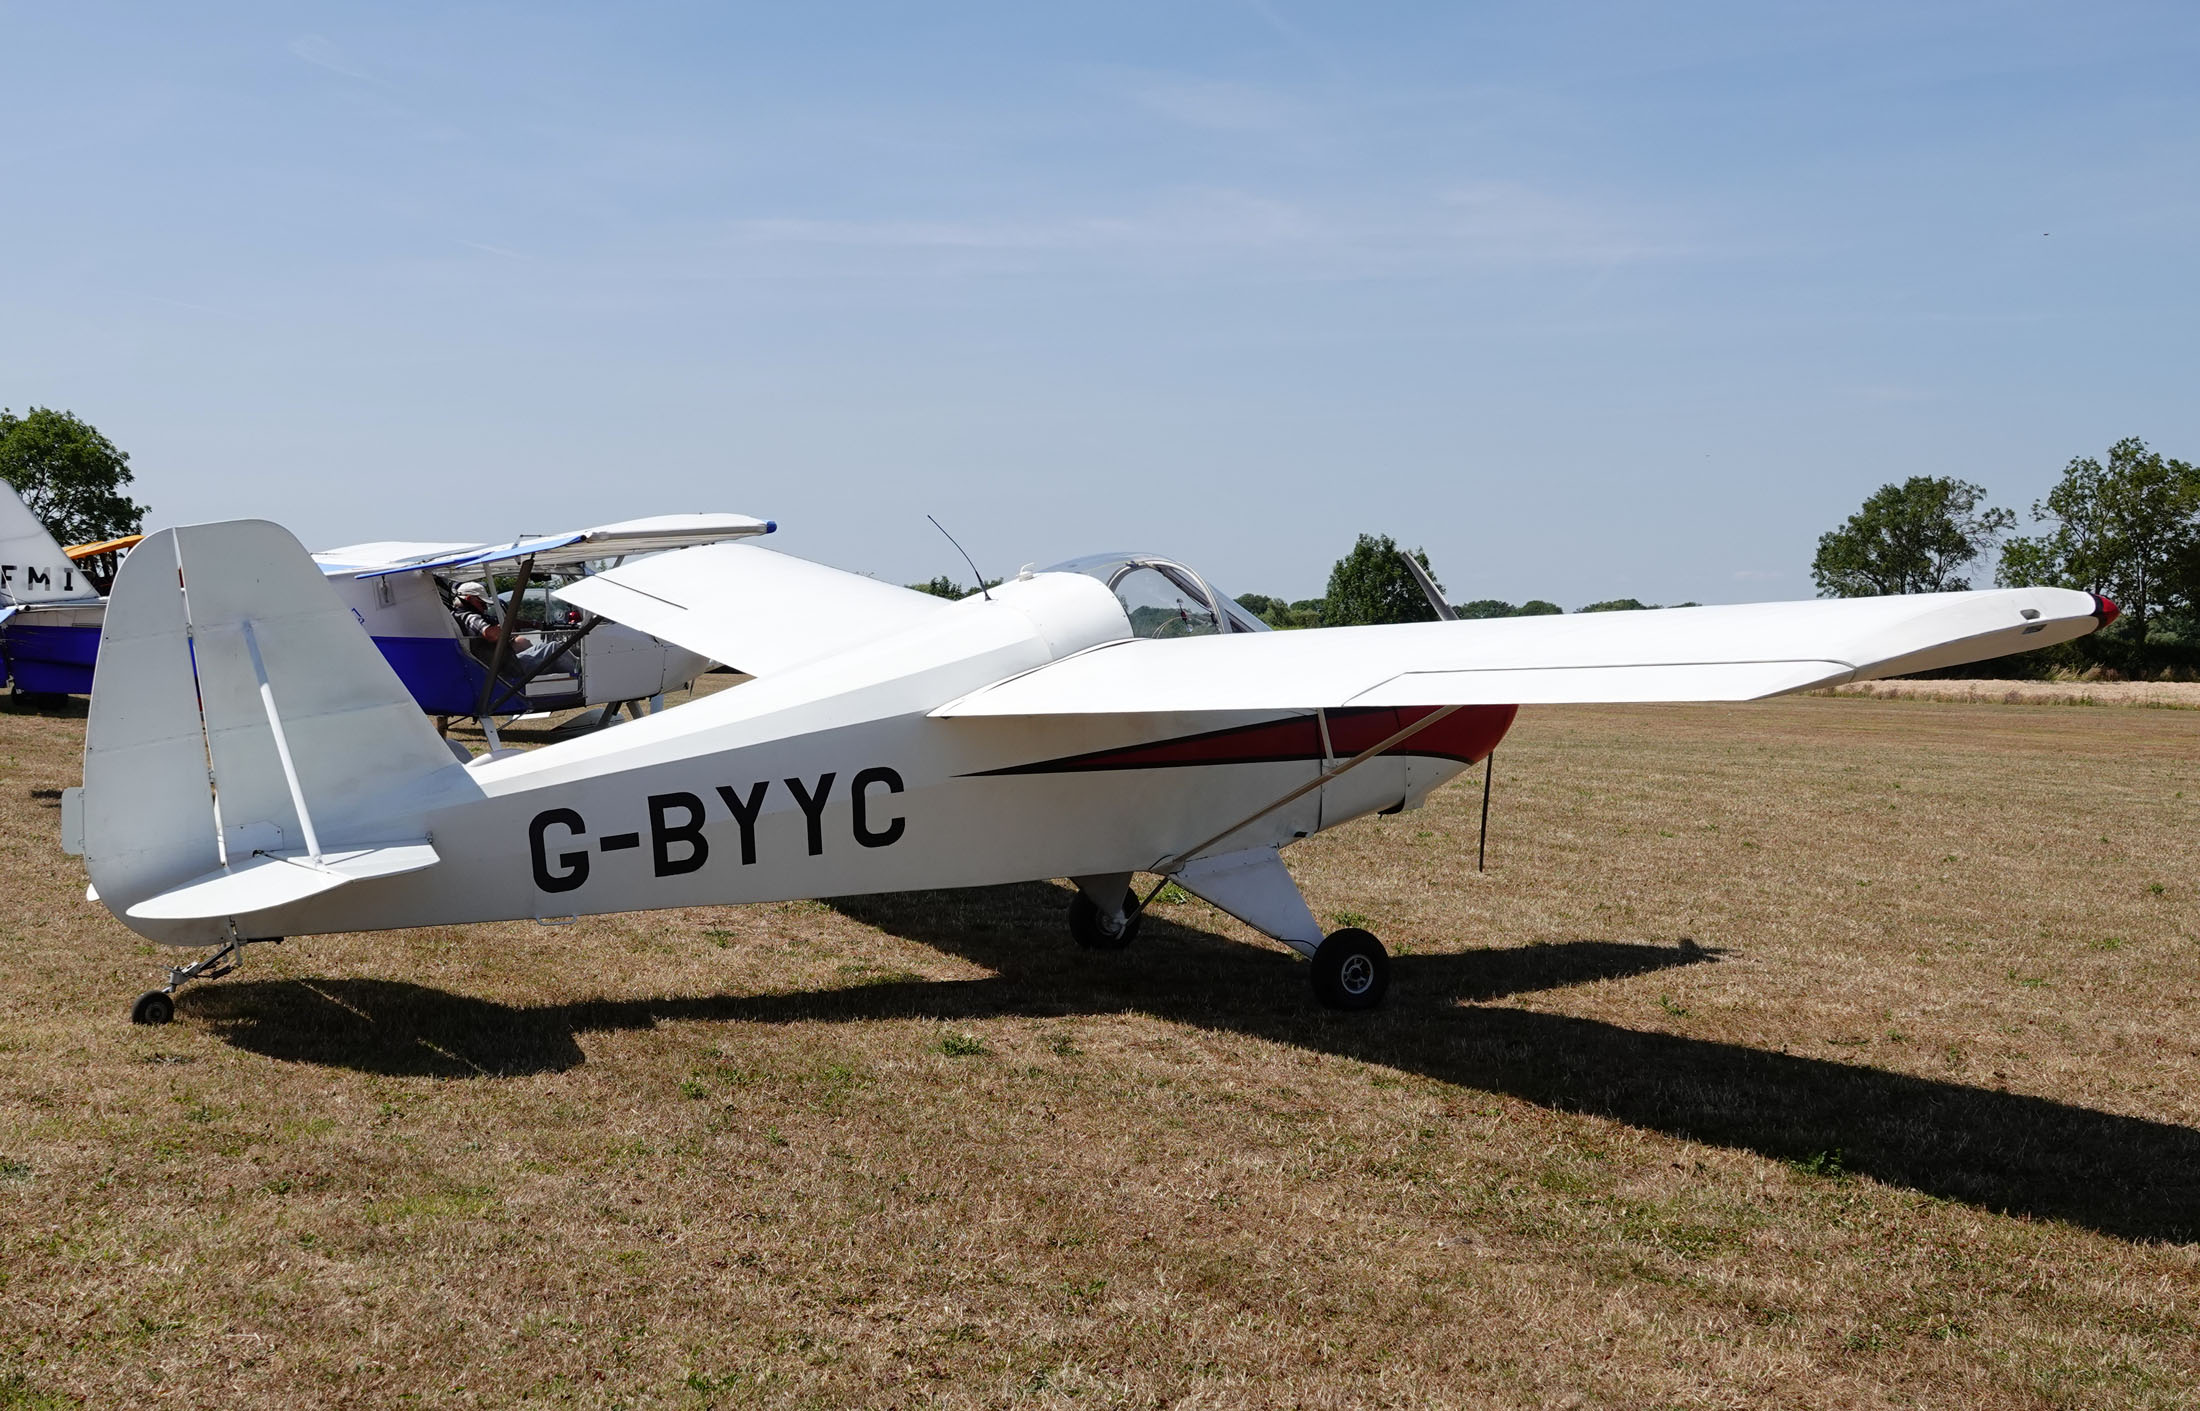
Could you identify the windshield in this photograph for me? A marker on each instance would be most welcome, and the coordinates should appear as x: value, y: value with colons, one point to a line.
x: 1162, y: 598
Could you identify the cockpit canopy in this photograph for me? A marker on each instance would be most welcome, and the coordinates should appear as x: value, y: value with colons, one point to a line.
x: 1162, y: 597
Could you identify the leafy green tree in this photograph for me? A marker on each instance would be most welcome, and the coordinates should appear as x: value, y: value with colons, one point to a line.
x: 1619, y: 605
x: 946, y: 587
x: 2127, y: 529
x: 1485, y: 607
x: 1915, y: 537
x: 1371, y: 584
x: 1536, y: 607
x: 69, y: 475
x: 1278, y: 613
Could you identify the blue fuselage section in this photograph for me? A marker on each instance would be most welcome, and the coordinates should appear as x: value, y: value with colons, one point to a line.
x: 440, y: 673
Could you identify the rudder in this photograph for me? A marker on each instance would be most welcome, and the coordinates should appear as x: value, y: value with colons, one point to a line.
x: 182, y: 770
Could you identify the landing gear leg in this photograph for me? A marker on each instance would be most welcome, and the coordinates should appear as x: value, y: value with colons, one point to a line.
x: 159, y: 1006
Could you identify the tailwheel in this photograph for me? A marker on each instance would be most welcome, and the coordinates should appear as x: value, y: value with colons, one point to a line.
x: 1351, y: 970
x: 1095, y: 930
x: 159, y: 1006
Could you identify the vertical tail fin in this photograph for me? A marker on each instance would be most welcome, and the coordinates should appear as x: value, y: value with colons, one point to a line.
x: 238, y: 707
x: 33, y: 569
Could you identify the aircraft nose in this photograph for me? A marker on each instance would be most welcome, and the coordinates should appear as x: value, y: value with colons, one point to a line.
x: 2104, y: 609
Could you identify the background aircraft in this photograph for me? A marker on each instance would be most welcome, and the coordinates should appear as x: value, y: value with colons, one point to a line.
x: 891, y: 741
x: 50, y: 617
x: 401, y: 593
x: 50, y: 606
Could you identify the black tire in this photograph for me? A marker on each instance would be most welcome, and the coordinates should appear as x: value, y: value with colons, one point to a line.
x: 1351, y: 970
x: 1089, y: 931
x: 153, y: 1007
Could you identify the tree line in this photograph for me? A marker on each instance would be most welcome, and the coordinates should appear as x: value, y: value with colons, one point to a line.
x: 1371, y: 584
x: 2126, y: 526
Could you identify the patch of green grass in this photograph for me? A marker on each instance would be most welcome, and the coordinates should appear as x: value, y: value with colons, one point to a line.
x: 693, y: 1088
x: 1063, y: 1046
x: 1353, y: 919
x: 2106, y: 943
x: 1828, y: 1165
x: 1667, y: 1003
x: 19, y: 1395
x: 11, y: 1170
x: 962, y: 1045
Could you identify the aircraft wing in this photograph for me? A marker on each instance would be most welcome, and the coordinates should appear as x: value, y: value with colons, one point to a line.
x: 653, y: 535
x: 751, y: 608
x: 1673, y: 654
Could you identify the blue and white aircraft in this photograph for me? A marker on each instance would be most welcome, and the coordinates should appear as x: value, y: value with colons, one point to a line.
x: 51, y: 612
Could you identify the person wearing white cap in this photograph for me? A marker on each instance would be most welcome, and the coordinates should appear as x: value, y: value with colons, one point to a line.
x: 479, y: 616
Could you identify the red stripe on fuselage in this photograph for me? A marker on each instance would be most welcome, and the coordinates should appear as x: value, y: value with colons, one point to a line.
x: 1465, y: 735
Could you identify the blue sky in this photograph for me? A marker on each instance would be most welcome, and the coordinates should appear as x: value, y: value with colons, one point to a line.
x: 1589, y: 300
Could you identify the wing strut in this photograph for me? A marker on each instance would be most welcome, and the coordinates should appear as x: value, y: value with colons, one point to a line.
x: 502, y: 650
x: 1482, y: 842
x: 1319, y: 779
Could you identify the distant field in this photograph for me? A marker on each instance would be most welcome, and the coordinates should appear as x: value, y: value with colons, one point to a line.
x: 2174, y: 695
x: 1820, y: 1052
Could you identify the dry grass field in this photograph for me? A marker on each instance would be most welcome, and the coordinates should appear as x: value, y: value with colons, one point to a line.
x: 1826, y: 1052
x: 2164, y: 695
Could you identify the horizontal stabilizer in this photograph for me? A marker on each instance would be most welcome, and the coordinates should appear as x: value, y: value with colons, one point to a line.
x: 1737, y: 653
x: 265, y: 881
x: 752, y: 609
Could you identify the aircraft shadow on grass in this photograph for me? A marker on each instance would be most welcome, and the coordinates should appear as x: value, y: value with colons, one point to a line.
x: 2027, y: 1156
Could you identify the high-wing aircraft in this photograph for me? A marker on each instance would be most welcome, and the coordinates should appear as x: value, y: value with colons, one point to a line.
x: 51, y: 611
x: 401, y: 593
x: 1111, y: 717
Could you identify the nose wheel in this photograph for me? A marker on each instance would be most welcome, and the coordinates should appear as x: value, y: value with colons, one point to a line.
x: 1097, y: 930
x: 1351, y: 970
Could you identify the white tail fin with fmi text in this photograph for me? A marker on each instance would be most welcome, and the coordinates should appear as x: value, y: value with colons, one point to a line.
x: 33, y: 569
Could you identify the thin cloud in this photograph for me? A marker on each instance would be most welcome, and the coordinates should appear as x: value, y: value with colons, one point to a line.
x: 1213, y: 105
x: 321, y: 52
x: 1290, y: 33
x: 1509, y: 220
x: 1484, y: 224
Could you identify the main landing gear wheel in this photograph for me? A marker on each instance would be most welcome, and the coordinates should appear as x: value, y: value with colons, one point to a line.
x: 1351, y: 970
x: 153, y: 1007
x: 1094, y: 931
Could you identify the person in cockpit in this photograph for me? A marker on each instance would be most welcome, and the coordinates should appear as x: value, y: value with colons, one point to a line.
x: 479, y: 618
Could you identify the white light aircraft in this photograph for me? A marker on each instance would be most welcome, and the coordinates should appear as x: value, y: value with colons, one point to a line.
x: 1112, y: 717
